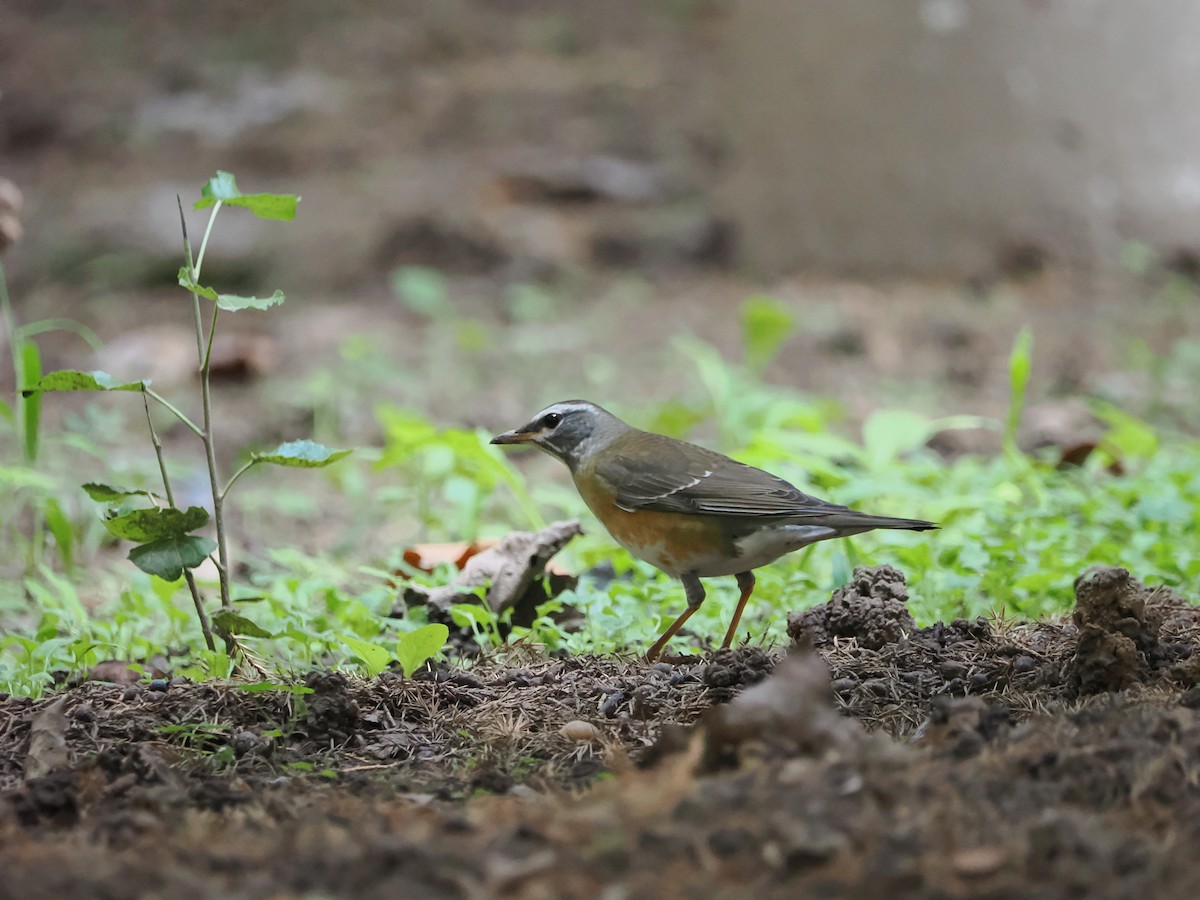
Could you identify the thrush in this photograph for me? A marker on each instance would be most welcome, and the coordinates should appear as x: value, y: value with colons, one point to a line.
x: 689, y: 511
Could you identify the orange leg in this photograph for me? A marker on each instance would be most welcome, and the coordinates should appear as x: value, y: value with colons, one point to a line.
x: 695, y: 596
x: 745, y: 581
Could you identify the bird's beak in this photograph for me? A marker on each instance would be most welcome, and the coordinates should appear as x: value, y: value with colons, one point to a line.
x: 514, y: 437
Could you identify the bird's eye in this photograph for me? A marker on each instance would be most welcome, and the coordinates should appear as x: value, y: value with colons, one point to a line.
x: 551, y: 420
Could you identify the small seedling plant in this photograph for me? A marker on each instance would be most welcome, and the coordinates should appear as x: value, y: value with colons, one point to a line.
x: 165, y: 540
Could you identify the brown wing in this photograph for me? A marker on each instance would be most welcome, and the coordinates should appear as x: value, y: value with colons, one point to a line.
x: 656, y: 473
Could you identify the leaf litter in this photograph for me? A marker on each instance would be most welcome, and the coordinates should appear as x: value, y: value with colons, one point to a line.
x: 967, y: 759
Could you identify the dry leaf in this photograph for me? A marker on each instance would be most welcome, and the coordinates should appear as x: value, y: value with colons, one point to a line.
x: 48, y: 741
x: 510, y: 568
x: 428, y: 557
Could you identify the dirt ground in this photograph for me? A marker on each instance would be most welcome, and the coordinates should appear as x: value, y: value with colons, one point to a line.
x: 969, y: 759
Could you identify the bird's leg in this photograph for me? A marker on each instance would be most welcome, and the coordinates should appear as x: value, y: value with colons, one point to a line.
x: 695, y: 596
x: 745, y: 581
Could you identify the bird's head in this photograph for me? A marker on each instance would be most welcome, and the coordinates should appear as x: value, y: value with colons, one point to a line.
x: 570, y: 430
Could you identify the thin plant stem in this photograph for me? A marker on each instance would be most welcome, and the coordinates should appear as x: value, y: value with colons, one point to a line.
x: 218, y: 496
x: 204, y: 352
x: 192, y: 426
x: 14, y: 346
x: 15, y: 342
x: 189, y: 577
x: 236, y: 475
x: 204, y: 240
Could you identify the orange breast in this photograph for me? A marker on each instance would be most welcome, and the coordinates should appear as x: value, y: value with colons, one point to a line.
x: 674, y: 542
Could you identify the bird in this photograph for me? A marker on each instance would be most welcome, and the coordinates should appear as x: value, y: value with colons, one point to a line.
x: 687, y: 510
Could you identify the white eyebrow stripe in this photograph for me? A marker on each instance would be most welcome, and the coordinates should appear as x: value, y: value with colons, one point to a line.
x: 565, y: 408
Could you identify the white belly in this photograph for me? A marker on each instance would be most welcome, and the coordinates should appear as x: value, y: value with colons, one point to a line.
x: 762, y: 547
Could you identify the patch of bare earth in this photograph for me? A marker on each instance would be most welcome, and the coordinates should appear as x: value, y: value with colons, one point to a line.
x: 878, y: 759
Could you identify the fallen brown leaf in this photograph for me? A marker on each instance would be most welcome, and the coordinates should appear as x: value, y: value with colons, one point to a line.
x: 48, y: 741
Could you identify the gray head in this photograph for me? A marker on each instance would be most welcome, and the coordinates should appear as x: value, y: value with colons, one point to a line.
x: 570, y: 430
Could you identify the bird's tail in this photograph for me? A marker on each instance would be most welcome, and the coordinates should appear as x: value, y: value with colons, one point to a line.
x: 852, y: 521
x: 903, y: 524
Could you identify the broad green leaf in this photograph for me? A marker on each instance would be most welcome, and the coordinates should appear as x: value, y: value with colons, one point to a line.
x: 106, y: 493
x: 12, y: 477
x: 414, y: 649
x: 168, y: 558
x: 156, y: 524
x: 301, y: 454
x: 766, y: 326
x: 74, y: 380
x: 228, y: 621
x: 1127, y: 436
x: 374, y: 657
x: 278, y: 207
x: 223, y: 187
x: 890, y: 433
x: 233, y: 302
x: 31, y: 373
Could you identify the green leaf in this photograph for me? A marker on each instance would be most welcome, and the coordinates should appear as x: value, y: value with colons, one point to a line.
x: 301, y: 454
x: 168, y: 558
x: 187, y: 279
x: 414, y: 649
x: 105, y: 493
x: 233, y: 302
x: 1128, y: 437
x: 156, y: 524
x: 890, y: 433
x: 766, y: 326
x: 223, y: 187
x: 229, y: 622
x: 259, y: 687
x: 422, y: 289
x: 74, y: 380
x: 1020, y: 362
x: 374, y: 658
x: 64, y: 533
x: 6, y: 411
x: 31, y: 373
x: 13, y: 477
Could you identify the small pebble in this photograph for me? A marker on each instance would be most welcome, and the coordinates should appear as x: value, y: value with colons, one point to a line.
x: 844, y: 685
x: 979, y: 861
x: 579, y: 731
x: 159, y: 684
x: 877, y: 686
x: 1024, y: 663
x: 952, y: 669
x: 245, y: 742
x: 612, y: 703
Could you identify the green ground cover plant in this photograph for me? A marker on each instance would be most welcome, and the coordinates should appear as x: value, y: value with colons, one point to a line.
x: 1017, y: 528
